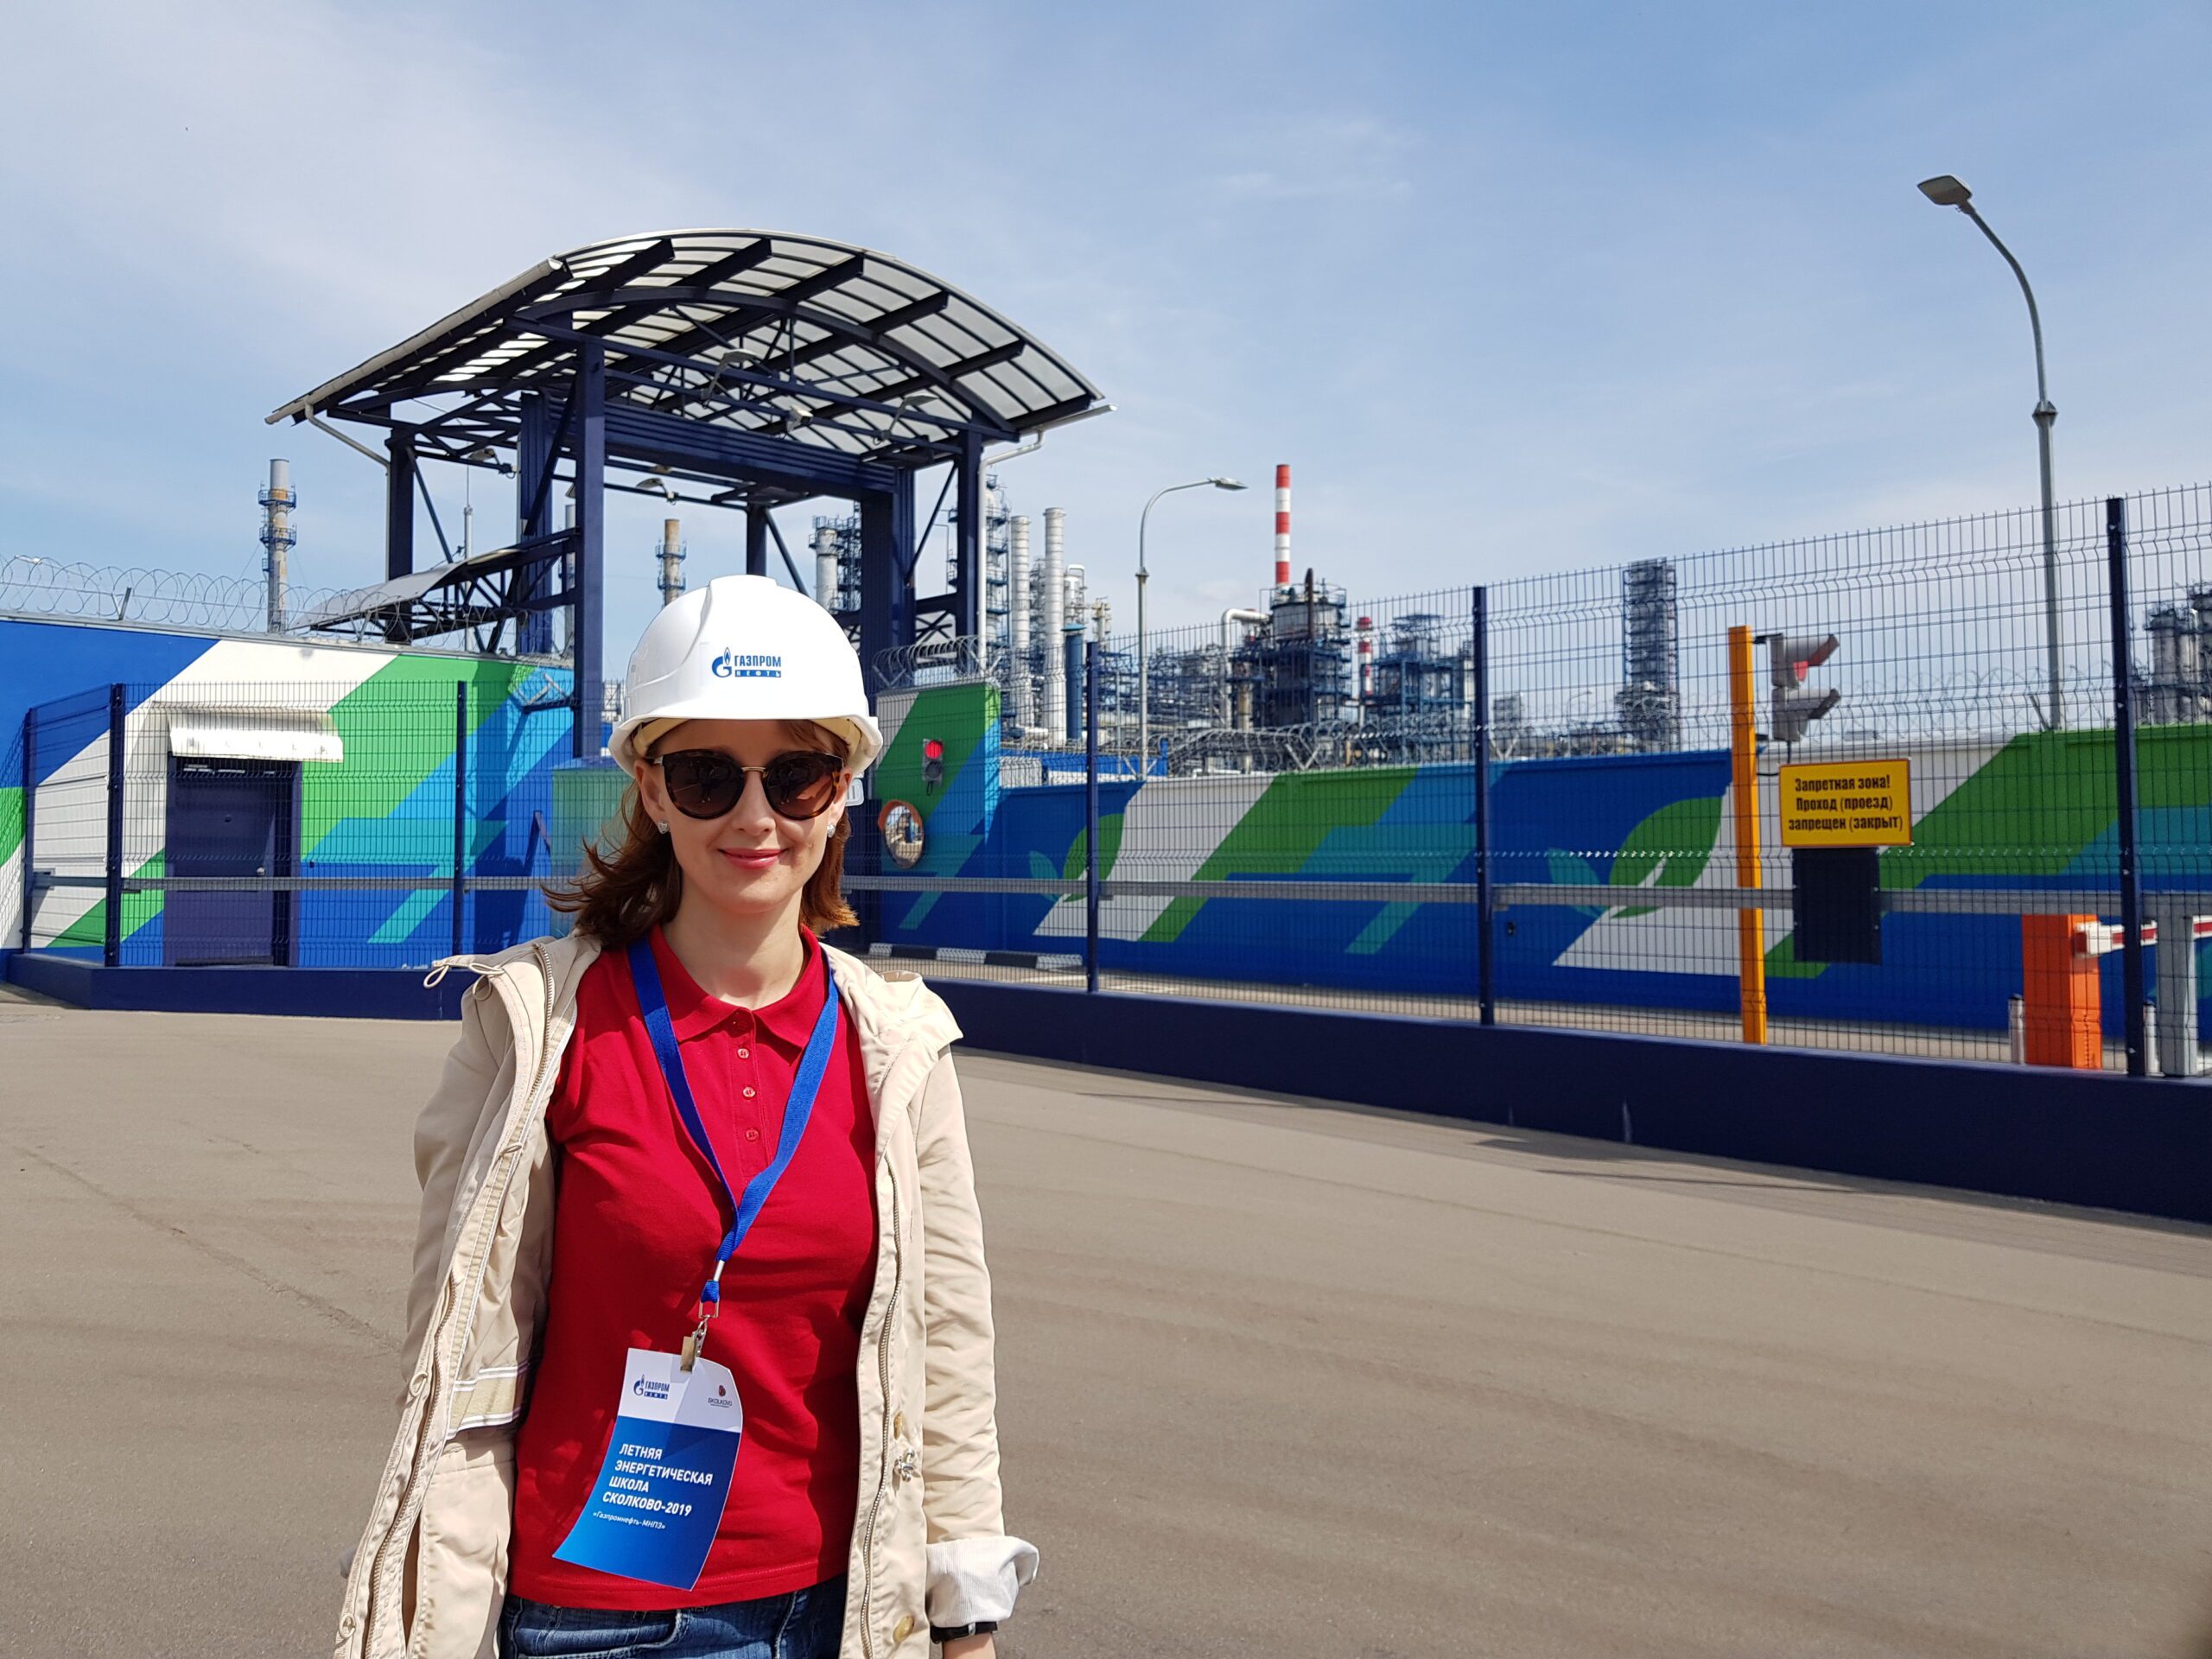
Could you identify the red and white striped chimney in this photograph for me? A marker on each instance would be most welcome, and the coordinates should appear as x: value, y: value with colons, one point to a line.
x: 1283, y: 526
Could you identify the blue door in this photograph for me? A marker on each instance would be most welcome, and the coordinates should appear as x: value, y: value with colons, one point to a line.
x: 236, y: 819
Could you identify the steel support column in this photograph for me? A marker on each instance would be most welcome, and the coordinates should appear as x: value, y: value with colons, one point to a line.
x: 1743, y: 791
x: 399, y: 504
x: 533, y: 461
x: 460, y: 813
x: 1091, y: 871
x: 886, y: 573
x: 967, y: 574
x: 591, y: 546
x: 2123, y: 755
x: 30, y: 819
x: 1486, y: 898
x: 111, y: 936
x: 756, y: 541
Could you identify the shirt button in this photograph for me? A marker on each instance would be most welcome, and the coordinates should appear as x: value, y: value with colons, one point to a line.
x: 743, y: 1053
x: 904, y: 1628
x: 748, y: 1091
x: 752, y: 1134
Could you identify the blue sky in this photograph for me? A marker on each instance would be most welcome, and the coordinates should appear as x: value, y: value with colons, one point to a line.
x: 1514, y: 289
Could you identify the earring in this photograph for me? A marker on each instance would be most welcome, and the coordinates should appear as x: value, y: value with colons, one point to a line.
x: 663, y: 825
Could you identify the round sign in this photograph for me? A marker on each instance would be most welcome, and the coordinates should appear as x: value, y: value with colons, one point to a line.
x: 903, y: 834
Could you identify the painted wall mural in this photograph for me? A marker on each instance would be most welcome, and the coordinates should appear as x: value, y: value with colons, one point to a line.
x: 384, y: 812
x: 2039, y: 811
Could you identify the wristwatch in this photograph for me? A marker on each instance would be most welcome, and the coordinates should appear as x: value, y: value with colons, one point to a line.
x: 942, y: 1634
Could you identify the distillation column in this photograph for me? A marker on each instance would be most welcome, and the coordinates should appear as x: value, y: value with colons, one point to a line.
x: 1054, y: 577
x: 825, y: 564
x: 1017, y: 624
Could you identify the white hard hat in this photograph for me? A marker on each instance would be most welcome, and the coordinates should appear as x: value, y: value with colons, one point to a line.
x: 743, y: 648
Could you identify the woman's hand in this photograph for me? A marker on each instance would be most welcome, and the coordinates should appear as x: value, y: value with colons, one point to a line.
x: 971, y: 1647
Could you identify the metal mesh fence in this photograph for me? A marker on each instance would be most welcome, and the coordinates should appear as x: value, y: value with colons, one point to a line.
x: 1868, y: 790
x: 382, y: 824
x: 1288, y: 805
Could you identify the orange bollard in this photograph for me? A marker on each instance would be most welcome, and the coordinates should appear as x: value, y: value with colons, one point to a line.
x: 2061, y: 1001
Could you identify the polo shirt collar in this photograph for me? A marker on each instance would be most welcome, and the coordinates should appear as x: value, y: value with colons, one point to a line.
x: 694, y: 1013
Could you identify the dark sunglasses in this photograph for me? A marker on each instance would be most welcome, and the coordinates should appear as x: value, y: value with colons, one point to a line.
x: 706, y: 783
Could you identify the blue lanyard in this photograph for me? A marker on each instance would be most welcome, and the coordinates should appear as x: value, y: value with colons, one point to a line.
x: 745, y: 1208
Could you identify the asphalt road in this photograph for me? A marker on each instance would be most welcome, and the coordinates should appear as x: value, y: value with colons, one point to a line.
x: 1277, y: 1378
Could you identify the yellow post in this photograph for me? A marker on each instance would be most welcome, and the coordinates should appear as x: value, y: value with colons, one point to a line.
x: 1743, y: 749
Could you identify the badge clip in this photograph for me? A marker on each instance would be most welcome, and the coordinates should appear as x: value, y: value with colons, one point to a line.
x: 710, y: 1303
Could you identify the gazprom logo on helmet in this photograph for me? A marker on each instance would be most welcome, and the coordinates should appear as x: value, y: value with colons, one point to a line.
x: 748, y: 666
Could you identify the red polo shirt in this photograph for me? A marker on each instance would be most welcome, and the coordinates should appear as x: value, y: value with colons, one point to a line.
x: 634, y: 1235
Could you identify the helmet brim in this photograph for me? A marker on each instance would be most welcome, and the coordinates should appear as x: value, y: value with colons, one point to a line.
x: 632, y: 737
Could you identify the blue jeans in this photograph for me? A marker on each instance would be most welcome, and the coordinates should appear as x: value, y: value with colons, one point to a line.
x: 805, y: 1625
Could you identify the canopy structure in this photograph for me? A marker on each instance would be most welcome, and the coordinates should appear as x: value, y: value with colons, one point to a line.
x: 760, y: 367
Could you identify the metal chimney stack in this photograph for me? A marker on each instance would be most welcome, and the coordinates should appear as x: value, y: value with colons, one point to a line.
x: 1054, y: 576
x: 826, y: 577
x: 1283, y: 526
x: 1017, y: 621
x: 278, y: 537
x: 672, y: 560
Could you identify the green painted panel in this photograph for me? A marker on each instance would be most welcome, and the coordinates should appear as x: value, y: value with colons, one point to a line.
x: 1782, y: 961
x: 1676, y: 842
x: 2044, y: 798
x: 138, y: 909
x: 1280, y: 830
x: 398, y: 728
x: 1109, y: 845
x: 11, y: 821
x: 587, y: 807
x: 957, y: 716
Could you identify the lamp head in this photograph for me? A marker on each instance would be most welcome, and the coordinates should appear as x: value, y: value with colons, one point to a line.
x: 1946, y: 191
x: 1224, y: 484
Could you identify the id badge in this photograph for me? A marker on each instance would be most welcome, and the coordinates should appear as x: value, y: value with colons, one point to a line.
x: 654, y: 1510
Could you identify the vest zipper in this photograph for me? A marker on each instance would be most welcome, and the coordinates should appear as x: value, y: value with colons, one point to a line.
x: 501, y: 1174
x: 883, y: 1461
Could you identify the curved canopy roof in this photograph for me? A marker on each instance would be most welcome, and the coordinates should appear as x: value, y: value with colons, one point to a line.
x: 780, y: 336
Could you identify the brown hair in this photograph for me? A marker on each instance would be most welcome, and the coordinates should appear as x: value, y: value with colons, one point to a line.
x: 617, y: 900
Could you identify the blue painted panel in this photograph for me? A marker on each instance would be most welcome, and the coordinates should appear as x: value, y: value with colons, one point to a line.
x: 40, y: 661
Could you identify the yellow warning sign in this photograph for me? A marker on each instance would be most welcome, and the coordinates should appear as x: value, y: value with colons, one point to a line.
x: 1847, y: 803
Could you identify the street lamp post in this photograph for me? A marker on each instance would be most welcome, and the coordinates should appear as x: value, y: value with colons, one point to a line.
x: 1144, y: 659
x: 1946, y: 191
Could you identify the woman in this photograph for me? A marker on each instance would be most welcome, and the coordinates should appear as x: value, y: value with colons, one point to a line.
x: 699, y: 1322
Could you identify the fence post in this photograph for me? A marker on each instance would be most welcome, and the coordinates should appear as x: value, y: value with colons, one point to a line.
x: 2123, y: 755
x: 1486, y: 908
x: 30, y: 818
x: 1091, y: 814
x: 1743, y: 755
x: 112, y: 941
x: 459, y: 808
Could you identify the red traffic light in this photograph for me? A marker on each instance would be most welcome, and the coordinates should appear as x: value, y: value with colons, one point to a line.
x: 932, y: 750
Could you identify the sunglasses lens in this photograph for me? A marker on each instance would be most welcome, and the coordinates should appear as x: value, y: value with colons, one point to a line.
x: 703, y: 784
x: 802, y: 785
